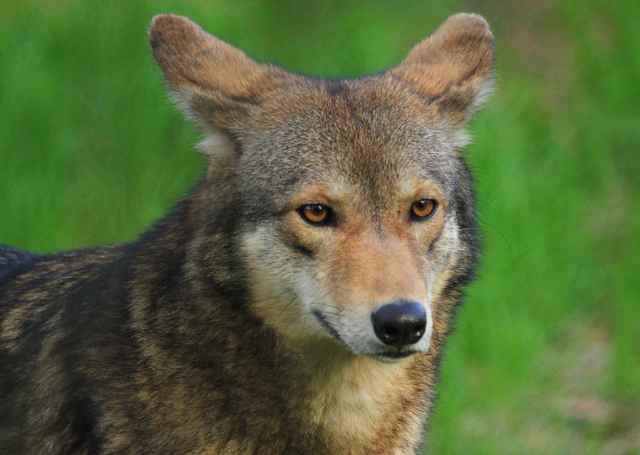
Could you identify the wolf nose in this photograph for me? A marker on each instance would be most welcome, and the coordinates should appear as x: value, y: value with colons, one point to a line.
x: 399, y: 324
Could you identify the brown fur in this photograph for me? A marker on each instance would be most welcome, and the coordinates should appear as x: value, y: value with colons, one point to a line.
x: 234, y: 326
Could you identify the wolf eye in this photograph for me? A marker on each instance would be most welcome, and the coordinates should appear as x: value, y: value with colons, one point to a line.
x: 316, y: 214
x: 423, y: 209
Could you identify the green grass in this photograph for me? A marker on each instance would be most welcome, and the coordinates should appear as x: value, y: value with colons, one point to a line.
x: 546, y: 354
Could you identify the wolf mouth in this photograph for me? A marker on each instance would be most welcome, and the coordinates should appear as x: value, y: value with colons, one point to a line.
x: 385, y: 356
x: 395, y: 355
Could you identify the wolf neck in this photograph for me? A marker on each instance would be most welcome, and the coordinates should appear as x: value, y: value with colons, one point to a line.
x: 357, y: 398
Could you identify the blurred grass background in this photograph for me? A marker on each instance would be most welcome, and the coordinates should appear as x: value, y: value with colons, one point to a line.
x: 546, y: 354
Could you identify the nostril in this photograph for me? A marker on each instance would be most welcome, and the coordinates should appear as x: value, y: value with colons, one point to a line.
x: 399, y: 324
x: 417, y: 332
x: 390, y: 335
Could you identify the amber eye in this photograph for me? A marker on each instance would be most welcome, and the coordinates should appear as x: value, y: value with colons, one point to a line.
x: 316, y: 213
x: 423, y: 209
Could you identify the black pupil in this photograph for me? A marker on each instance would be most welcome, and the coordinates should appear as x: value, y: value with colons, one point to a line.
x: 317, y: 210
x: 422, y: 206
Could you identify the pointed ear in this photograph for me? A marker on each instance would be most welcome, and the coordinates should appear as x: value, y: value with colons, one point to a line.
x: 453, y: 68
x: 212, y: 81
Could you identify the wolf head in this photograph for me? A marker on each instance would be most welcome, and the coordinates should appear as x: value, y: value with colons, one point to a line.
x: 354, y: 204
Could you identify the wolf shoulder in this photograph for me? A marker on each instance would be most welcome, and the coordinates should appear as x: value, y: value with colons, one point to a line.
x: 34, y: 288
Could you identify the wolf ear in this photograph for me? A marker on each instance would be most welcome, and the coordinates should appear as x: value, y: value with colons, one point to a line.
x: 453, y: 68
x: 214, y: 83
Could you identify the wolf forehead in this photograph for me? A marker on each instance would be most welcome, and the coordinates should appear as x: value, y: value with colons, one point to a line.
x: 370, y: 133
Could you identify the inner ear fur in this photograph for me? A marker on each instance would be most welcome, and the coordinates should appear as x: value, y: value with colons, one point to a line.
x: 452, y: 68
x: 214, y: 82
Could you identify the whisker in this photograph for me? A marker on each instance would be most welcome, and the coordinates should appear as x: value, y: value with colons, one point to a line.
x: 499, y: 233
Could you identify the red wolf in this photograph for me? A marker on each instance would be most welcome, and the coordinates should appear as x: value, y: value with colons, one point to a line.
x: 296, y: 302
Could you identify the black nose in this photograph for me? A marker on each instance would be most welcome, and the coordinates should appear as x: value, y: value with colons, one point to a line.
x: 399, y: 324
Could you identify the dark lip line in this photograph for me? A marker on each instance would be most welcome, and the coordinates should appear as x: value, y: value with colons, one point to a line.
x: 396, y: 354
x: 333, y: 333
